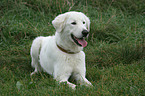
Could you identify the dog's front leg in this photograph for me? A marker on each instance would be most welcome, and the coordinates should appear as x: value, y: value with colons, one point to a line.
x: 85, y: 82
x: 65, y: 81
x: 62, y: 77
x: 82, y: 80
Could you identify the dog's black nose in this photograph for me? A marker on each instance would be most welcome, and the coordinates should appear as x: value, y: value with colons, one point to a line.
x: 85, y: 33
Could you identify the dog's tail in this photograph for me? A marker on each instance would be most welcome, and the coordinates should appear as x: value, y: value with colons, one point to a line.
x: 35, y: 51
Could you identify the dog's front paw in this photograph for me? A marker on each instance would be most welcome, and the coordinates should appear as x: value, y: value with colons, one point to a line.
x: 73, y: 86
x: 86, y: 83
x: 89, y: 84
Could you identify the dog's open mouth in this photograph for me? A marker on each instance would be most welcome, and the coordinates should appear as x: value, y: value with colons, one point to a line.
x: 79, y: 41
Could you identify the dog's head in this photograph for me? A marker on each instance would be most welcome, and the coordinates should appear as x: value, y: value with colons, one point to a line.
x: 74, y: 25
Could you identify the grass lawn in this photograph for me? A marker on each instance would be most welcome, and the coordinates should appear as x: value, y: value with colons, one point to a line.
x: 114, y: 55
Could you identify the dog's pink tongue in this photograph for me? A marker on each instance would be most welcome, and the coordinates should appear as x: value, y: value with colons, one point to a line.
x: 82, y: 42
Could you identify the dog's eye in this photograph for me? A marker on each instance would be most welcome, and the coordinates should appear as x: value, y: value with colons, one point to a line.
x: 74, y: 23
x: 83, y: 22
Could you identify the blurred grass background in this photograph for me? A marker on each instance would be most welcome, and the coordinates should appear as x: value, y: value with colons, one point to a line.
x: 114, y: 55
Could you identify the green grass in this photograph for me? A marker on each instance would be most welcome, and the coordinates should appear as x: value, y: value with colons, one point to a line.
x: 114, y: 55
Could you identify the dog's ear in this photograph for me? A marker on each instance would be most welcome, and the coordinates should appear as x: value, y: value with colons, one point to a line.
x: 59, y: 22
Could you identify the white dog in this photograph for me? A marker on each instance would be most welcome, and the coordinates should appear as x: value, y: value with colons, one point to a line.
x: 61, y: 55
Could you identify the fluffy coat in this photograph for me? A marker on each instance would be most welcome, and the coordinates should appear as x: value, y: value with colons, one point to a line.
x: 48, y: 57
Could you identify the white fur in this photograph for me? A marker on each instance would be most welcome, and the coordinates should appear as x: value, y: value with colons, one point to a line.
x: 48, y: 57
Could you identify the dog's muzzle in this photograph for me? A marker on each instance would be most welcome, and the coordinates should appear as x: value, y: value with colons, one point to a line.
x: 81, y: 41
x: 85, y: 33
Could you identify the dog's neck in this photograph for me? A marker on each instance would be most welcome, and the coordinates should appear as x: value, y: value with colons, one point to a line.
x: 66, y: 44
x: 66, y: 51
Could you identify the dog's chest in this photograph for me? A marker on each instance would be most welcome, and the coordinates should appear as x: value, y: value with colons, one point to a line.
x: 73, y: 60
